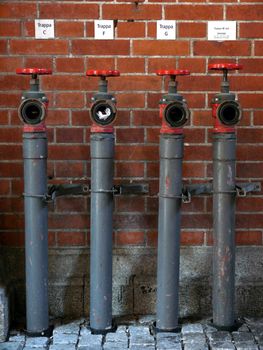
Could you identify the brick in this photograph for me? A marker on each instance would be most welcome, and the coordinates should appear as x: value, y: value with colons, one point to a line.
x: 9, y: 64
x: 66, y: 10
x: 69, y: 135
x: 38, y: 61
x: 251, y: 100
x: 250, y: 30
x: 3, y: 46
x: 192, y: 238
x: 11, y: 169
x: 18, y: 10
x: 251, y: 204
x: 258, y: 48
x: 226, y: 48
x: 131, y: 100
x: 12, y: 134
x: 152, y: 238
x: 249, y: 135
x: 129, y: 204
x: 254, y: 65
x: 69, y: 169
x: 191, y: 30
x: 129, y: 238
x: 69, y: 99
x: 131, y: 65
x: 71, y: 238
x: 244, y: 12
x: 145, y: 152
x: 10, y: 29
x: 10, y: 152
x: 8, y: 83
x: 146, y: 118
x: 195, y: 65
x: 70, y: 65
x: 160, y: 63
x: 200, y: 83
x: 134, y: 221
x: 129, y: 169
x: 28, y: 28
x: 131, y: 11
x: 99, y: 62
x: 167, y: 47
x: 69, y: 29
x: 196, y: 221
x: 131, y: 30
x: 196, y: 12
x: 67, y: 152
x: 67, y: 82
x: 136, y: 82
x: 35, y: 47
x: 248, y: 83
x: 72, y: 221
x: 258, y: 117
x: 129, y: 135
x: 60, y: 117
x: 101, y: 47
x: 250, y: 220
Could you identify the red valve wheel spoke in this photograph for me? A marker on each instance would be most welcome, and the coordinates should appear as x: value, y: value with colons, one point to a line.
x: 102, y: 73
x: 30, y: 71
x: 172, y: 72
x: 227, y: 66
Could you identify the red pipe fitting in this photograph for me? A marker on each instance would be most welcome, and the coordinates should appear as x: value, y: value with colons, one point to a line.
x: 174, y: 112
x: 33, y: 108
x: 103, y: 107
x: 226, y: 111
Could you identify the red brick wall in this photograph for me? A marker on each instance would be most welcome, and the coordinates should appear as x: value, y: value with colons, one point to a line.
x: 137, y: 54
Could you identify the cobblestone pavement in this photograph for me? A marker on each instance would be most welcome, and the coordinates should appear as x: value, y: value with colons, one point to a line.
x: 75, y: 335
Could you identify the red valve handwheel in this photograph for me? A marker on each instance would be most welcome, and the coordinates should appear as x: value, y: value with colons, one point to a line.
x: 30, y: 71
x: 172, y: 72
x: 227, y: 66
x: 102, y: 73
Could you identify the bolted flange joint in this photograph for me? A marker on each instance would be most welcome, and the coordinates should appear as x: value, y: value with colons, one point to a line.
x: 226, y: 110
x: 34, y: 103
x: 174, y: 111
x: 103, y: 104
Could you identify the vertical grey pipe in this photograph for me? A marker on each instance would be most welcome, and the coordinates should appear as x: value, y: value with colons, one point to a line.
x: 36, y: 231
x: 170, y: 191
x: 224, y: 173
x: 102, y: 154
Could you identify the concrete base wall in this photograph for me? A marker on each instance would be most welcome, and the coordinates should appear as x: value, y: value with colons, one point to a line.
x: 134, y: 281
x: 4, y: 314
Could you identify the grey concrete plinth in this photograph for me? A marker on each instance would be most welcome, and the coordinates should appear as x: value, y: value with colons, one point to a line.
x: 11, y: 346
x: 117, y: 346
x: 140, y: 336
x: 194, y: 338
x: 89, y: 347
x: 61, y: 338
x: 4, y: 313
x: 37, y: 342
x: 222, y: 346
x: 17, y: 338
x: 120, y: 337
x: 34, y: 348
x: 243, y: 337
x: 141, y: 347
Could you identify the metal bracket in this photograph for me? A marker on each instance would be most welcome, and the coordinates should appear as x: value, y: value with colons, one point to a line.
x: 133, y: 188
x: 65, y: 190
x: 194, y: 190
x: 243, y: 188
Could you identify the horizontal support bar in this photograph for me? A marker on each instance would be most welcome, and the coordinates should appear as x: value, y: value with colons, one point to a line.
x: 133, y: 188
x: 66, y: 190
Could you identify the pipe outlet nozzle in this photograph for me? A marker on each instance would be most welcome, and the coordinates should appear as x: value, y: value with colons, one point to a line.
x: 32, y: 111
x: 176, y: 114
x: 229, y: 112
x: 103, y: 112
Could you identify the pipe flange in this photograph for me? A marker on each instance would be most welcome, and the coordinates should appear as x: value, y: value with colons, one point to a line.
x: 103, y: 112
x: 176, y: 114
x: 32, y: 111
x: 229, y: 113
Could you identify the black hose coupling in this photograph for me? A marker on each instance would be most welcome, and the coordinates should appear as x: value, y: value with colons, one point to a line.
x: 176, y: 114
x: 229, y: 112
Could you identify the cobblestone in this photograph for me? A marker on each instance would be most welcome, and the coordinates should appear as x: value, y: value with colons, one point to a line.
x: 76, y: 336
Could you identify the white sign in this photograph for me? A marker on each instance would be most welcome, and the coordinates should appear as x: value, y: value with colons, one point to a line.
x: 104, y: 29
x: 44, y: 29
x: 166, y: 30
x: 222, y: 30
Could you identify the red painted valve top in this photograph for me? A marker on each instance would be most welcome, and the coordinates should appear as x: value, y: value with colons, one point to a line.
x: 33, y: 108
x: 226, y: 111
x: 174, y: 111
x: 103, y: 104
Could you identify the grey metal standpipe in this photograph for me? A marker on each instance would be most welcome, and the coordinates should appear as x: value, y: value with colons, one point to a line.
x: 32, y: 112
x: 226, y: 114
x: 174, y: 114
x: 103, y: 112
